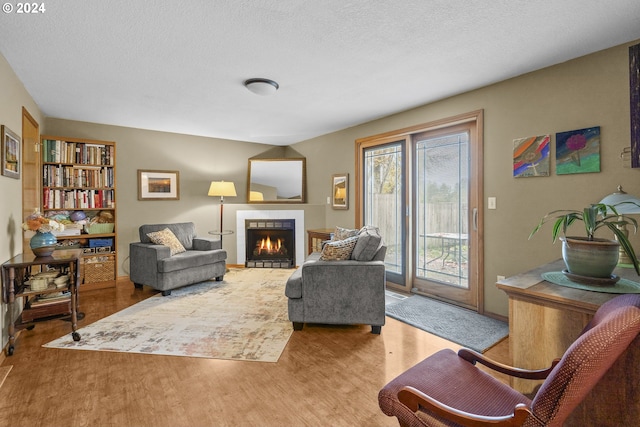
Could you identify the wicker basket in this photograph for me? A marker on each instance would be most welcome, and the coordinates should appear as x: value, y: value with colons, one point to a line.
x: 100, y: 228
x: 99, y: 271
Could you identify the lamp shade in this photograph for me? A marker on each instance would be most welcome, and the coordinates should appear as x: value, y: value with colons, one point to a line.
x: 256, y: 196
x: 221, y: 188
x: 627, y: 200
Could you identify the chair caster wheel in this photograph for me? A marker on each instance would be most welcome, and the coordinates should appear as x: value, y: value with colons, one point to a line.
x: 10, y: 350
x: 76, y: 336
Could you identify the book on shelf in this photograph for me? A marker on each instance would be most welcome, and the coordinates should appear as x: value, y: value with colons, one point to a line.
x: 43, y: 300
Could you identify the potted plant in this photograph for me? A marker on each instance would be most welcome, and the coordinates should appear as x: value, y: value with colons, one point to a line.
x: 591, y: 256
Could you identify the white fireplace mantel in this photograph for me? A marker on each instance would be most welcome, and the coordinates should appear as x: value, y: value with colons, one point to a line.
x: 241, y: 216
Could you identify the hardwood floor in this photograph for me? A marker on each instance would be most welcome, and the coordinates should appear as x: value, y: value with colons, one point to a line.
x: 326, y: 376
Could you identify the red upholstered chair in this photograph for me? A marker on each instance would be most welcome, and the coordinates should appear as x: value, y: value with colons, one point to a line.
x: 447, y: 389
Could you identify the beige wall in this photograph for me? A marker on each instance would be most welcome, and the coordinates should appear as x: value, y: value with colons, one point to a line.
x: 586, y: 92
x: 14, y: 97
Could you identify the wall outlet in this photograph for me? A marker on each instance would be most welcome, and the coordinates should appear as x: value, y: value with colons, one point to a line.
x: 499, y: 278
x: 328, y: 200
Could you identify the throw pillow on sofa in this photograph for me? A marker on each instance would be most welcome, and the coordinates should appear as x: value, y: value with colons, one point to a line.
x: 344, y: 233
x: 369, y: 242
x: 167, y: 238
x: 338, y: 250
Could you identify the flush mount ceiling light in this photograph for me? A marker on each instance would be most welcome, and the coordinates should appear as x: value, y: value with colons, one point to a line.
x: 261, y: 86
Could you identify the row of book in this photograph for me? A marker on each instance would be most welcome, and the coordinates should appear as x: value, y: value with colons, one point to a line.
x: 56, y: 151
x: 72, y: 176
x: 78, y: 199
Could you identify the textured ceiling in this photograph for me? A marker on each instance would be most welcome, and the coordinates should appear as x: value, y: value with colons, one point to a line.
x: 179, y: 66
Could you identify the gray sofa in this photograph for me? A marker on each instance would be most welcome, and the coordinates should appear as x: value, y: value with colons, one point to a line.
x: 344, y: 292
x: 153, y: 264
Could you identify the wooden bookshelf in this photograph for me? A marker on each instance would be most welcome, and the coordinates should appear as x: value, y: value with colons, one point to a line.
x: 80, y: 175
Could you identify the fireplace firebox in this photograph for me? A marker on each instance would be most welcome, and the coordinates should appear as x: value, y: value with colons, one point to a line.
x: 270, y: 243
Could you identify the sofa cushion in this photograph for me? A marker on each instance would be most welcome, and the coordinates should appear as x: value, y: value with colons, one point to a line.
x: 167, y: 238
x: 190, y: 259
x: 343, y: 233
x: 369, y: 243
x: 339, y: 250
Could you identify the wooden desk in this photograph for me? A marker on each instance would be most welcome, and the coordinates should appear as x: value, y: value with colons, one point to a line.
x: 316, y: 237
x: 20, y: 268
x: 545, y: 319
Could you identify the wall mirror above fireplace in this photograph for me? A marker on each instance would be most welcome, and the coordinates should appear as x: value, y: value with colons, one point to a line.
x: 280, y: 180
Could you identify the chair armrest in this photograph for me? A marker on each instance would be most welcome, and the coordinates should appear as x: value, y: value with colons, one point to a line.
x: 143, y: 261
x: 529, y: 374
x: 414, y: 399
x: 206, y: 244
x: 149, y: 250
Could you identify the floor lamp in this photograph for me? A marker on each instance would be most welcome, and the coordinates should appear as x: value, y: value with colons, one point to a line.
x: 222, y: 189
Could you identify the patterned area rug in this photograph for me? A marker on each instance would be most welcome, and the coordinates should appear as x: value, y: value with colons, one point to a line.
x: 462, y: 326
x: 243, y: 317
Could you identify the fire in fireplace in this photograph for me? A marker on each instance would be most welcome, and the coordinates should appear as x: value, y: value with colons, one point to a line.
x: 268, y: 248
x: 270, y: 243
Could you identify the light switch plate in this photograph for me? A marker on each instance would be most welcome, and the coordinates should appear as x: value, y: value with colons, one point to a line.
x: 491, y: 203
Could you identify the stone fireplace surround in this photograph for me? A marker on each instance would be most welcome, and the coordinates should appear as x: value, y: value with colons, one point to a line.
x: 241, y: 216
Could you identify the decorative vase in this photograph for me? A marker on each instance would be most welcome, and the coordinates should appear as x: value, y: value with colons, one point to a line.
x: 590, y: 258
x: 43, y: 244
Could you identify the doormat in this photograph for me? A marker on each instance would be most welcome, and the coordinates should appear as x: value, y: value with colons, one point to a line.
x: 460, y: 325
x: 243, y: 317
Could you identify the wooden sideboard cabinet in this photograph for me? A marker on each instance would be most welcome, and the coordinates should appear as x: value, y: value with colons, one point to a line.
x: 16, y: 274
x: 316, y: 237
x: 545, y: 319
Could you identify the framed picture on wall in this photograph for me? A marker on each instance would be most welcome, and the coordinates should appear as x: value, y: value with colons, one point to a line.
x: 10, y: 153
x: 340, y: 191
x: 158, y: 185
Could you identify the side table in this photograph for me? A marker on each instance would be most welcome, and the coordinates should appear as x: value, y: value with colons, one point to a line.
x: 316, y: 237
x: 221, y: 233
x: 17, y: 271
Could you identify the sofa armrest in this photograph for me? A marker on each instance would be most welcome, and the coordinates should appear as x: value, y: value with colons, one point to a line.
x: 143, y: 261
x: 343, y: 292
x: 206, y: 244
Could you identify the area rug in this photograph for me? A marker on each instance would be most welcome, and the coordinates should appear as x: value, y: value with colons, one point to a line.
x: 462, y: 326
x: 243, y: 317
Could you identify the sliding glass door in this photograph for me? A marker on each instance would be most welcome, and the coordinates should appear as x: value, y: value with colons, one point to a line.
x: 442, y: 216
x: 422, y: 186
x: 384, y: 202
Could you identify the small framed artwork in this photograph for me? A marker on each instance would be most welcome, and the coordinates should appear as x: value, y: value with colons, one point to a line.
x: 158, y: 185
x: 340, y: 191
x: 578, y: 151
x: 10, y: 153
x: 531, y: 156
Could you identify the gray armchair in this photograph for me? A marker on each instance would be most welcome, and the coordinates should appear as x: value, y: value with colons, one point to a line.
x: 154, y: 265
x: 341, y: 292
